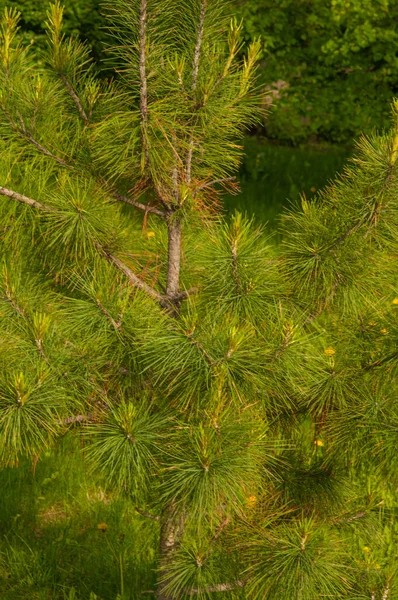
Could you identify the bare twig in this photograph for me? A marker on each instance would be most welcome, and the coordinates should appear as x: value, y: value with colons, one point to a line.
x: 234, y: 252
x: 115, y: 324
x: 164, y: 301
x: 214, y: 182
x: 72, y: 93
x: 143, y: 79
x: 23, y: 199
x: 386, y: 592
x: 145, y: 207
x: 195, y: 74
x: 147, y: 515
x: 89, y: 418
x: 218, y: 587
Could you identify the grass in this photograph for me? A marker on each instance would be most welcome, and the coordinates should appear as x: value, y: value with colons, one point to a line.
x: 274, y: 177
x: 63, y: 536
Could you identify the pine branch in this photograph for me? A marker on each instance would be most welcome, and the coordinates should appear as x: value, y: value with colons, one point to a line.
x: 10, y: 299
x: 198, y: 47
x: 23, y: 199
x: 115, y: 324
x: 214, y: 182
x: 174, y: 257
x: 134, y: 280
x: 147, y: 515
x: 143, y: 79
x: 145, y: 207
x: 184, y: 295
x: 89, y: 418
x: 235, y: 271
x: 381, y: 361
x: 164, y: 301
x: 386, y: 592
x: 195, y: 74
x: 72, y: 93
x: 366, y: 218
x: 23, y: 132
x: 219, y: 531
x: 218, y: 587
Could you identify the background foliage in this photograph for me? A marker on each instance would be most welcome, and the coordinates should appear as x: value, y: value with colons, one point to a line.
x: 331, y: 65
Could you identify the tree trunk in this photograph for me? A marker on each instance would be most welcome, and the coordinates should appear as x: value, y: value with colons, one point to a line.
x: 171, y: 532
x: 174, y: 257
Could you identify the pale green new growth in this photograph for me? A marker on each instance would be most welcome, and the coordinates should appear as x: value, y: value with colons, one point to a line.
x: 242, y: 395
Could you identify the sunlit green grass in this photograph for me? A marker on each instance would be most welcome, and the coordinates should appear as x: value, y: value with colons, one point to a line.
x: 274, y: 177
x: 61, y: 530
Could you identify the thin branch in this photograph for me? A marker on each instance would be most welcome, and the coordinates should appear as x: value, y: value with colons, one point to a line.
x: 198, y: 47
x: 234, y: 252
x: 381, y: 361
x: 145, y: 207
x: 26, y: 134
x: 174, y: 257
x: 134, y: 280
x: 115, y: 324
x: 40, y: 348
x: 165, y: 302
x: 75, y: 98
x: 22, y: 312
x: 78, y: 419
x: 386, y: 592
x: 214, y: 182
x: 143, y: 79
x: 23, y: 199
x: 147, y: 515
x: 202, y: 349
x: 219, y: 531
x: 195, y: 74
x: 218, y: 587
x: 184, y: 295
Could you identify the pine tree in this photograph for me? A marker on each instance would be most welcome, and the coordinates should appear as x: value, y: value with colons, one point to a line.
x: 241, y: 396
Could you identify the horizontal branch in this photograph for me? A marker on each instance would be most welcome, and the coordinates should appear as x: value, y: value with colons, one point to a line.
x: 132, y: 277
x: 77, y: 419
x: 185, y: 294
x: 218, y: 587
x: 215, y: 182
x: 23, y: 199
x: 146, y: 514
x: 381, y: 361
x: 145, y: 207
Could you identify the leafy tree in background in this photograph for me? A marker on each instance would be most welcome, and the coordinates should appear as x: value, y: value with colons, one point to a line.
x: 242, y: 397
x: 332, y: 65
x: 82, y: 19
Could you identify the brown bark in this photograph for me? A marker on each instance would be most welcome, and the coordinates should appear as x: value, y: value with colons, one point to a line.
x: 143, y: 80
x: 23, y: 199
x: 195, y: 74
x: 174, y: 257
x: 171, y: 532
